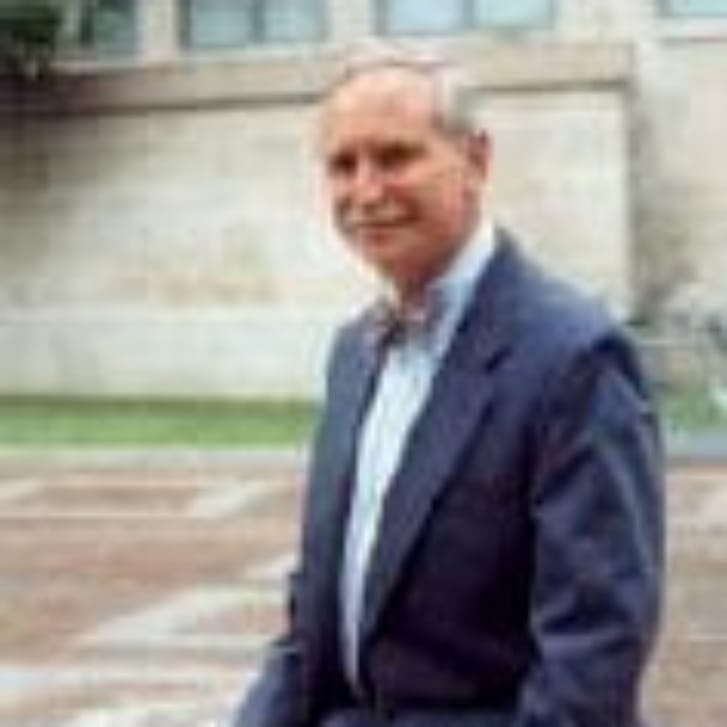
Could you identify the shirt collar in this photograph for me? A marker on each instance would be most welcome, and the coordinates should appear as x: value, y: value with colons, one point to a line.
x: 459, y: 276
x: 456, y: 283
x: 445, y: 298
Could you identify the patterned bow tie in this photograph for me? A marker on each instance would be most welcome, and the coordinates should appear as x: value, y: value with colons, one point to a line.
x: 390, y: 323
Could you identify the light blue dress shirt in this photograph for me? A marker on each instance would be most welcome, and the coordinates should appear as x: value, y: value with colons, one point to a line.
x: 401, y: 391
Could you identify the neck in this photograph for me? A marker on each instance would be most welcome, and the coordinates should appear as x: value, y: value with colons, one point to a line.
x: 411, y: 286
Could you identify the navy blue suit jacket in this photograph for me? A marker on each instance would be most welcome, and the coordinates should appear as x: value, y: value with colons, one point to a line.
x: 516, y: 577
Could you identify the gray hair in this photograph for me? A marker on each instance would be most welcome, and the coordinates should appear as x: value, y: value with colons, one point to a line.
x: 454, y: 90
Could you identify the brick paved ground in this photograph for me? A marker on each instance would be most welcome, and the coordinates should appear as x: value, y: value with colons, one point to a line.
x: 139, y: 593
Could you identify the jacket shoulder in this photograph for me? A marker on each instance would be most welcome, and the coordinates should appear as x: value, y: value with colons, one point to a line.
x: 559, y: 318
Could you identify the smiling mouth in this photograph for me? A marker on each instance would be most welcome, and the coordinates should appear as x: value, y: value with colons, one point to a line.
x: 376, y: 225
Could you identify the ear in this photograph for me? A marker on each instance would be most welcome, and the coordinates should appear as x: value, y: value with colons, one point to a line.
x: 479, y: 152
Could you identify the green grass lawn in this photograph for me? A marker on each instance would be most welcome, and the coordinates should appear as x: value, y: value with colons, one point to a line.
x: 693, y: 410
x: 26, y: 421
x: 94, y: 422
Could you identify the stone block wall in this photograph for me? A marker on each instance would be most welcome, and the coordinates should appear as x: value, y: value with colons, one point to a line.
x: 163, y: 225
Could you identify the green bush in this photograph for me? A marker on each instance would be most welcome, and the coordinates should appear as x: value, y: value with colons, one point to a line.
x: 29, y: 32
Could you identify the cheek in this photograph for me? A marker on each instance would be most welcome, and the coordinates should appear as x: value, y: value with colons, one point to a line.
x: 413, y: 198
x: 338, y: 202
x: 438, y: 203
x: 438, y: 186
x: 456, y: 195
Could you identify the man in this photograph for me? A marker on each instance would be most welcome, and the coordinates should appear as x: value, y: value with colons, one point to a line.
x: 482, y: 539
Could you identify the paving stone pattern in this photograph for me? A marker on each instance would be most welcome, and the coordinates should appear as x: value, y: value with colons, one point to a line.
x: 141, y: 594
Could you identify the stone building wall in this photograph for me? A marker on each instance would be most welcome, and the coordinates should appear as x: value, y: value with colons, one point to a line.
x: 162, y: 222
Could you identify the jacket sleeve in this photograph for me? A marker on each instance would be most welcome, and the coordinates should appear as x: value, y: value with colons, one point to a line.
x: 273, y: 699
x: 597, y: 510
x: 276, y: 697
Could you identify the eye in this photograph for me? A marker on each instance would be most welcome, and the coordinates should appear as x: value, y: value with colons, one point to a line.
x: 396, y: 155
x: 342, y: 164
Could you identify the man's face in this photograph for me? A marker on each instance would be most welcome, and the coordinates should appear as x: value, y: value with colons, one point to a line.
x: 404, y: 193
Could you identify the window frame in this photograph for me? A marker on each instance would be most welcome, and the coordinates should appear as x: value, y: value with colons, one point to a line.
x: 468, y: 23
x: 668, y: 10
x: 101, y: 51
x: 260, y: 36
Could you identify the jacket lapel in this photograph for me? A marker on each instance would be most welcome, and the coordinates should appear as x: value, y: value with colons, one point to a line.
x: 460, y: 397
x: 354, y: 366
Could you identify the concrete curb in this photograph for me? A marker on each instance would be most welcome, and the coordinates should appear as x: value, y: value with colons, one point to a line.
x: 166, y: 458
x: 704, y: 448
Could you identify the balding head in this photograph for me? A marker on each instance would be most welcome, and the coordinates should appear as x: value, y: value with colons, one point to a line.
x: 405, y: 171
x: 452, y: 91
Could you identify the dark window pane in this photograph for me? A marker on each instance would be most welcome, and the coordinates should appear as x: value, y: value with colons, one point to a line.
x: 107, y: 26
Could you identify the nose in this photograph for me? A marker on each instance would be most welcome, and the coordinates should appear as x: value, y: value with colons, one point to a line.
x: 367, y: 184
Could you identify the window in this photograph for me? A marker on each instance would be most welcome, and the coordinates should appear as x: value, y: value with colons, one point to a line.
x: 233, y: 23
x: 511, y: 13
x: 423, y: 16
x: 436, y: 16
x: 104, y: 27
x: 696, y: 8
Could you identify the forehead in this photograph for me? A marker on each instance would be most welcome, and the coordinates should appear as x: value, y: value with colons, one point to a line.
x: 382, y: 101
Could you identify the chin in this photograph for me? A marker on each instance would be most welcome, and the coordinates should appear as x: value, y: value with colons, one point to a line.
x: 381, y: 253
x: 388, y: 254
x: 395, y: 271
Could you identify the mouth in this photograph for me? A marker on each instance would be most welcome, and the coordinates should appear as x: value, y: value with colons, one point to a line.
x: 378, y: 225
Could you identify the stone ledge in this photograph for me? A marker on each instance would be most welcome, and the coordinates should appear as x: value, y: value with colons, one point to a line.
x: 296, y: 77
x: 173, y: 459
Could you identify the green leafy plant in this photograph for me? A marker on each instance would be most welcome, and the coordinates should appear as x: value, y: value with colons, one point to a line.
x: 29, y: 31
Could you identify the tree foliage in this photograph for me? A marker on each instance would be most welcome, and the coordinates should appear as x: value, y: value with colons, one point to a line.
x: 29, y: 31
